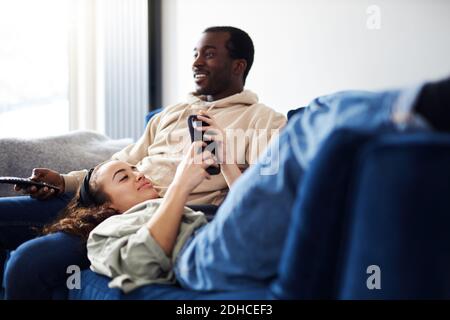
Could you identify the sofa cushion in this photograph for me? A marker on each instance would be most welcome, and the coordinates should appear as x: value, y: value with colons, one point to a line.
x: 400, y: 220
x: 95, y: 287
x: 386, y: 205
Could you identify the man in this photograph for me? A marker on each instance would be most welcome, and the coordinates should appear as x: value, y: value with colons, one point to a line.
x: 222, y: 60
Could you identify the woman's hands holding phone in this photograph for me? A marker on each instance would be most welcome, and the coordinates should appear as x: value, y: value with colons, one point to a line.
x: 192, y: 169
x: 164, y: 224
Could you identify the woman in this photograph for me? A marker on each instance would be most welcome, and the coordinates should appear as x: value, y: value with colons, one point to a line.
x: 139, y: 244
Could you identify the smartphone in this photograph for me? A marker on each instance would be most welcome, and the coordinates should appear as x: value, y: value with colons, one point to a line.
x: 26, y: 182
x: 196, y: 135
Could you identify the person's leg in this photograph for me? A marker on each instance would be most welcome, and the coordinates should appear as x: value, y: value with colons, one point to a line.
x: 3, y: 255
x: 18, y: 218
x: 241, y: 247
x: 39, y: 268
x: 433, y: 103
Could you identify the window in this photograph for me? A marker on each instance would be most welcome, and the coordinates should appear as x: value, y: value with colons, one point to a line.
x: 34, y: 68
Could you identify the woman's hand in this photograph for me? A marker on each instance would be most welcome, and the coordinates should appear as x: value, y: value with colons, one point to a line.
x: 191, y: 170
x: 165, y: 223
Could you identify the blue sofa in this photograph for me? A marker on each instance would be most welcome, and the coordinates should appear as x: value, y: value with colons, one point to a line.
x: 371, y: 200
x: 368, y: 201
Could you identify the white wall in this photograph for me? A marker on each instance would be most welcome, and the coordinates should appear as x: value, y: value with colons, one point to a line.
x: 309, y: 48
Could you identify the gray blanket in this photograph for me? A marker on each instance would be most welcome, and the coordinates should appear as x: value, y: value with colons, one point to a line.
x: 64, y: 153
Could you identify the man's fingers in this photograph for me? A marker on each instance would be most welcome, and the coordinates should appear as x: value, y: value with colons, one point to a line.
x: 209, y: 130
x: 36, y: 192
x: 204, y: 114
x: 50, y: 192
x: 39, y: 174
x: 203, y: 128
x: 213, y: 132
x: 42, y: 193
x: 208, y: 138
x: 36, y: 177
x: 207, y: 154
x: 26, y: 190
x: 208, y: 163
x: 36, y: 173
x: 208, y: 120
x: 197, y: 144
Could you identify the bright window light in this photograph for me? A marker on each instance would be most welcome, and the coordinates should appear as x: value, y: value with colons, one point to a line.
x: 34, y: 69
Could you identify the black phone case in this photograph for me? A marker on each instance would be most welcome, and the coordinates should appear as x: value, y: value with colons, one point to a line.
x: 210, y: 144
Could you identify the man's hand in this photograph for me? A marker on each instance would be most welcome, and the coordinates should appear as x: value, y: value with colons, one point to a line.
x: 44, y: 175
x: 213, y: 132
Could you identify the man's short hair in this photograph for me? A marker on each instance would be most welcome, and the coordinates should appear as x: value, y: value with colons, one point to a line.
x: 240, y: 45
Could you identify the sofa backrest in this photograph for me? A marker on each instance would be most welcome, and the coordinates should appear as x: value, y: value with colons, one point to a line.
x: 74, y: 150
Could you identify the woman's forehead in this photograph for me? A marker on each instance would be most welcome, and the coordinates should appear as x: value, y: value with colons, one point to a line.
x: 110, y: 167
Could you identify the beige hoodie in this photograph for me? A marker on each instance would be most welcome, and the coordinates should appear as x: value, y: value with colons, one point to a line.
x: 249, y: 126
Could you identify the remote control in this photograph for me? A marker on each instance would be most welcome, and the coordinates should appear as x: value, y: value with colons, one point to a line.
x: 26, y: 182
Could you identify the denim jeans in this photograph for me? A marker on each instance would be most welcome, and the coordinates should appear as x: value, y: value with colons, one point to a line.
x: 20, y: 219
x: 241, y: 248
x: 42, y: 267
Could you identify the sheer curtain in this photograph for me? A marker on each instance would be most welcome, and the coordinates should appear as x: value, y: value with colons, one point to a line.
x: 34, y: 72
x: 73, y: 64
x: 109, y: 66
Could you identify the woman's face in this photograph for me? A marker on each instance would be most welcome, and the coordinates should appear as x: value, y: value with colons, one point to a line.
x: 124, y: 184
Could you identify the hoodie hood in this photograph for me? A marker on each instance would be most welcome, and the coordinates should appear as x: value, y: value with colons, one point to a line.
x: 245, y: 97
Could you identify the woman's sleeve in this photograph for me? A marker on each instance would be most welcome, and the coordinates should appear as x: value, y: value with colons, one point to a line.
x: 130, y: 256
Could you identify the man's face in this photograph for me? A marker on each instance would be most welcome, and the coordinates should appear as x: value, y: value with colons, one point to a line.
x: 212, y: 66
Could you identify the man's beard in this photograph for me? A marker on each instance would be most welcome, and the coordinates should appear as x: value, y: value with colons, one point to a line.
x: 214, y: 87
